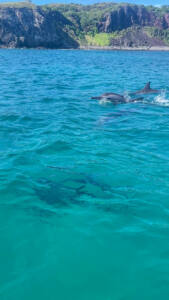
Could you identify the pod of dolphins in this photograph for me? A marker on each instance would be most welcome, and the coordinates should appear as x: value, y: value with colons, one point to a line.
x: 116, y: 98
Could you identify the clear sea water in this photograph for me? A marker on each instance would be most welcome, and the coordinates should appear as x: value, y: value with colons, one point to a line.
x: 84, y: 186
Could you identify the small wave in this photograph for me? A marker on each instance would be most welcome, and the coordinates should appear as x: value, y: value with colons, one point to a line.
x: 162, y: 99
x: 56, y: 146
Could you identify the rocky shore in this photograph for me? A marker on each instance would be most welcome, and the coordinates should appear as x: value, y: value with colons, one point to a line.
x: 155, y: 48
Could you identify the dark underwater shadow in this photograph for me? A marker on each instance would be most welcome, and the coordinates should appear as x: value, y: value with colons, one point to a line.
x: 81, y: 190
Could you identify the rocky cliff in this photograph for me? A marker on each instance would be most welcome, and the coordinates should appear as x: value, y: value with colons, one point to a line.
x: 136, y: 37
x: 127, y: 16
x: 69, y: 26
x: 34, y: 27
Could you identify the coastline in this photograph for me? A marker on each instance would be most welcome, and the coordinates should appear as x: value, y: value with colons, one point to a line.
x: 154, y: 48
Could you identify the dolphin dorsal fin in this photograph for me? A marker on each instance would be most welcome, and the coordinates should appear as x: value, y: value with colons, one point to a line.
x: 147, y: 86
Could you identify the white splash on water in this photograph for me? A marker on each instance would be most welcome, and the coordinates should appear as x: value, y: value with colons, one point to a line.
x: 127, y: 96
x: 161, y: 99
x: 104, y: 101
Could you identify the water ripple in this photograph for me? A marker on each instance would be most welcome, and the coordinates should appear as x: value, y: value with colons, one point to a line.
x: 83, y: 187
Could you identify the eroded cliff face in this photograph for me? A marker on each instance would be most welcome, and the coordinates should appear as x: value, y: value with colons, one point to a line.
x: 66, y: 26
x: 33, y: 28
x: 136, y: 37
x: 127, y: 16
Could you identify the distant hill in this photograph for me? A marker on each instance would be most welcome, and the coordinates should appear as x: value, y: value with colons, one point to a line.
x: 72, y: 25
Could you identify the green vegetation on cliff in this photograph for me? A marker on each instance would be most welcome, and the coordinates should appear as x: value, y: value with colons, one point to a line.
x: 89, y: 21
x: 158, y: 33
x: 85, y: 17
x: 17, y: 5
x: 71, y: 25
x: 101, y: 39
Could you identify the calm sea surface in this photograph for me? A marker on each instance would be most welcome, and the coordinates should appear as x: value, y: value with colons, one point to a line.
x: 84, y: 186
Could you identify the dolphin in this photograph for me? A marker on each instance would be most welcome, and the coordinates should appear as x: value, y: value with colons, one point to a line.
x: 115, y: 98
x: 146, y: 90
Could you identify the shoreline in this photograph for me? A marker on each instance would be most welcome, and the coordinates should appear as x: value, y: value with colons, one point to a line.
x: 87, y: 48
x: 154, y: 48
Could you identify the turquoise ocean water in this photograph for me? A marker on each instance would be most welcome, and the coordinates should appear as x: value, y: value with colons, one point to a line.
x: 84, y: 186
